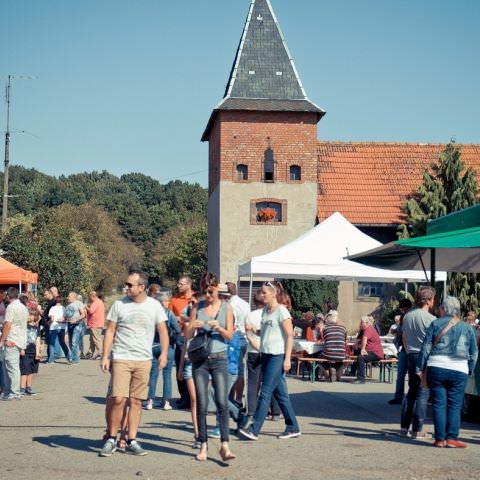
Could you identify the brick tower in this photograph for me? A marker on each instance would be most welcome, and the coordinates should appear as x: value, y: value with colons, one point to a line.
x: 262, y: 151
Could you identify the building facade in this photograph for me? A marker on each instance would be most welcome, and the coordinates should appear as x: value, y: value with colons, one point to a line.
x: 271, y: 179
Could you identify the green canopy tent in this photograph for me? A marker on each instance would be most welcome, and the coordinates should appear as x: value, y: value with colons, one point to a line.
x: 452, y: 244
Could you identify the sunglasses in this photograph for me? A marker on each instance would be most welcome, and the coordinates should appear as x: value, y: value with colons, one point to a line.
x: 131, y: 285
x: 209, y: 291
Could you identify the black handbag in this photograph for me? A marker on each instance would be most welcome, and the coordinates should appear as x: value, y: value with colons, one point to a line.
x: 200, y: 347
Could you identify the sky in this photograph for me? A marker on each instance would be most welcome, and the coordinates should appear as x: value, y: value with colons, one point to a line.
x: 128, y: 85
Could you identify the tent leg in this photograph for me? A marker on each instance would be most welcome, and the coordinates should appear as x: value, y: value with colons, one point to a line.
x: 432, y: 266
x: 250, y: 290
x: 20, y: 286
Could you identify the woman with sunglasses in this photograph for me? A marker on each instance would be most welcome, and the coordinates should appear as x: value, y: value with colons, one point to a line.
x: 276, y: 339
x: 215, y: 316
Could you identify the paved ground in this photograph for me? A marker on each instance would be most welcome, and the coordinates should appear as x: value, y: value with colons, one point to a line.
x: 348, y: 432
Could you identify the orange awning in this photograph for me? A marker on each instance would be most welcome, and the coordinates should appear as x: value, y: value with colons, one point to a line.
x: 10, y: 273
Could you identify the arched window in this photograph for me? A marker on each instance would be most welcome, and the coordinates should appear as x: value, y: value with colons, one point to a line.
x: 242, y: 172
x: 268, y: 166
x: 295, y: 173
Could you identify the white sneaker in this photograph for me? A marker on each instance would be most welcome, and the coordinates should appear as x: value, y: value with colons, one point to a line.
x: 149, y: 405
x: 167, y: 406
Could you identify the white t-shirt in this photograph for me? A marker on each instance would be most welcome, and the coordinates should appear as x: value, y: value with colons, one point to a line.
x: 241, y: 310
x: 17, y: 314
x: 273, y: 338
x: 136, y: 323
x: 255, y: 320
x: 57, y: 315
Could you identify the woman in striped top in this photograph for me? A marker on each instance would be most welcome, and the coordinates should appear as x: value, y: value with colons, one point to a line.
x: 334, y: 344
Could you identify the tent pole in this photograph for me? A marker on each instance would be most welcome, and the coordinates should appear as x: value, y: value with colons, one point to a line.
x: 20, y: 286
x: 432, y: 266
x: 250, y: 290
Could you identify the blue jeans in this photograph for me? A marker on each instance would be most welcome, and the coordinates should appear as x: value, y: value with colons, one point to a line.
x: 216, y: 367
x: 273, y: 383
x: 401, y: 373
x: 447, y: 388
x: 75, y: 334
x: 414, y: 406
x: 166, y: 372
x: 233, y: 407
x: 53, y: 336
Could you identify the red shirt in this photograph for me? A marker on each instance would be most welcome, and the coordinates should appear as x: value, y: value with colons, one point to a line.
x: 374, y: 344
x: 96, y: 314
x: 178, y: 304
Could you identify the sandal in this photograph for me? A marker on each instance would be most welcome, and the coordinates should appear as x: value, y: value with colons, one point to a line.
x: 122, y: 442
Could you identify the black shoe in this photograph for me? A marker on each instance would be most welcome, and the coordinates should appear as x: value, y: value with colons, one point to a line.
x: 394, y: 401
x: 359, y: 381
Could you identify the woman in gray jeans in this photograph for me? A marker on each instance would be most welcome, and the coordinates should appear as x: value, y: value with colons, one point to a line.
x: 214, y: 316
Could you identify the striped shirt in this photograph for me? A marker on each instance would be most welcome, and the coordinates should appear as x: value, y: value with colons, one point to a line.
x: 335, y: 340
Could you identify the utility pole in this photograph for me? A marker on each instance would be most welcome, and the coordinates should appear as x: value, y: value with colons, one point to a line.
x: 7, y: 154
x: 7, y: 162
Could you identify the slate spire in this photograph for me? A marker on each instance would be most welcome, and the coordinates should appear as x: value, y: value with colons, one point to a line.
x: 263, y: 76
x: 263, y: 67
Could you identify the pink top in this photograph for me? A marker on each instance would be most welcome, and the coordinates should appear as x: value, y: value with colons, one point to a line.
x: 96, y: 314
x: 374, y: 344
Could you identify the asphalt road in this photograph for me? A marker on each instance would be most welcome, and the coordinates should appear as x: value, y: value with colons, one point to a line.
x: 348, y: 431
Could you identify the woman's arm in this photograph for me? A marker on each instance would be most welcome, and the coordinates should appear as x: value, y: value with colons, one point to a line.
x: 363, y: 345
x: 425, y: 350
x: 288, y: 329
x: 192, y: 325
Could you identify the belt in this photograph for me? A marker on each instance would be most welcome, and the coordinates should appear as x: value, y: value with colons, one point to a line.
x: 213, y: 356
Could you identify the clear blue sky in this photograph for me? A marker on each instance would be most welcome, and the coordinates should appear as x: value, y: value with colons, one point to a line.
x: 128, y: 86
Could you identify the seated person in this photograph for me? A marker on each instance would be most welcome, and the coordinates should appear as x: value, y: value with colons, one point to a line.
x: 369, y: 348
x: 334, y: 345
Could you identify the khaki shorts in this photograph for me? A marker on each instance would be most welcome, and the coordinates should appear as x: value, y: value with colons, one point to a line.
x: 130, y: 378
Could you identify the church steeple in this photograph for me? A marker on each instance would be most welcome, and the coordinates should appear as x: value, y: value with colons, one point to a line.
x: 263, y: 76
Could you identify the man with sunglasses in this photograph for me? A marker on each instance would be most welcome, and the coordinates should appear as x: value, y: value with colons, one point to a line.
x: 128, y: 338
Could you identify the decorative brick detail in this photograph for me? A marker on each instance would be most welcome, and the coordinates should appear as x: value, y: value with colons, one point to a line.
x: 244, y: 137
x: 253, y: 211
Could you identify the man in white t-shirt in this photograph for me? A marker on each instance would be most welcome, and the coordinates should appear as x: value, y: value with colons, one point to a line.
x: 129, y: 338
x: 241, y: 310
x: 12, y: 341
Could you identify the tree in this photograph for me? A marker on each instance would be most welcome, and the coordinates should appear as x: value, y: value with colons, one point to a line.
x: 311, y: 295
x: 446, y: 188
x: 182, y: 251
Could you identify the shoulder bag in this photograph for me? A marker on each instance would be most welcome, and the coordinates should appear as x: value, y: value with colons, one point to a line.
x: 200, y: 346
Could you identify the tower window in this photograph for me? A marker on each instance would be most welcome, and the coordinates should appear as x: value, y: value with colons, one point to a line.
x: 268, y: 166
x: 268, y: 211
x: 242, y: 172
x: 295, y: 173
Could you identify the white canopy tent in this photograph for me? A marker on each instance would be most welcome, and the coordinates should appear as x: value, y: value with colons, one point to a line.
x: 319, y: 254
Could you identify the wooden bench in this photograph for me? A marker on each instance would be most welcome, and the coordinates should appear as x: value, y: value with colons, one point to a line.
x: 315, y: 363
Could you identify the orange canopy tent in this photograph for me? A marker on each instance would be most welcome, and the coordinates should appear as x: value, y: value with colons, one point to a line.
x: 11, y: 274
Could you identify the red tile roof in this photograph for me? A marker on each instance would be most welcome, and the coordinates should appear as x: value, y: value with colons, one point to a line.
x: 369, y: 182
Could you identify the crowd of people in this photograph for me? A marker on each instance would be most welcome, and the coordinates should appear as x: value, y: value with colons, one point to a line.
x: 62, y: 325
x: 229, y: 359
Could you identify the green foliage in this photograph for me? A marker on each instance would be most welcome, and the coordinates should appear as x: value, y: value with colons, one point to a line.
x: 311, y: 295
x: 107, y: 223
x: 448, y: 187
x: 183, y: 251
x: 59, y: 256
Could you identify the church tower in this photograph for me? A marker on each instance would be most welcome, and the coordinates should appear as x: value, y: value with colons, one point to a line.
x: 262, y: 151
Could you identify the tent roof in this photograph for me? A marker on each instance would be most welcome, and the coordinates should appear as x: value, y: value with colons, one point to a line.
x: 319, y: 254
x: 455, y: 238
x: 11, y: 273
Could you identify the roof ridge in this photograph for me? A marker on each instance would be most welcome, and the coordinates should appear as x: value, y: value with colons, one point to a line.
x: 419, y: 144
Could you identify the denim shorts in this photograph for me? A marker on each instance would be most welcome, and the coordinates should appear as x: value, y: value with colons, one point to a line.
x: 187, y: 371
